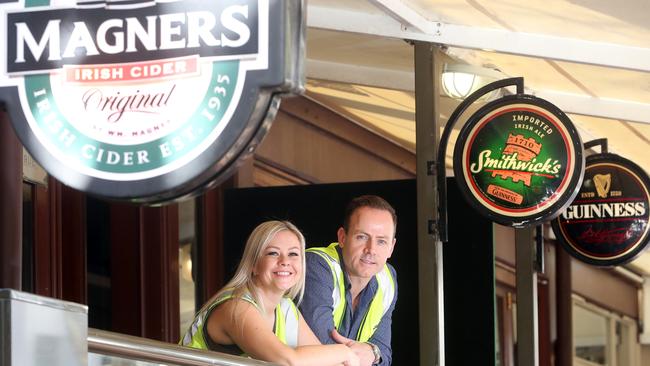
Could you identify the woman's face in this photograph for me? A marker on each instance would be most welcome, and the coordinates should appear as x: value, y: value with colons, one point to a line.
x: 280, y: 265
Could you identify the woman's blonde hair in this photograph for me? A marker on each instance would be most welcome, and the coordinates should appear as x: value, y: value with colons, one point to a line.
x: 259, y: 239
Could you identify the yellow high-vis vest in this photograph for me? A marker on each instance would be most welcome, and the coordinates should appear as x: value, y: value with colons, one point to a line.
x: 286, y: 322
x: 379, y: 304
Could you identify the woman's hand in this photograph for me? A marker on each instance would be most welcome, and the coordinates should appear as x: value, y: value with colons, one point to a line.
x: 362, y: 350
x: 353, y: 359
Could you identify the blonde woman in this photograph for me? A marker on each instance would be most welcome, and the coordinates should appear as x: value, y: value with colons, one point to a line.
x: 254, y: 313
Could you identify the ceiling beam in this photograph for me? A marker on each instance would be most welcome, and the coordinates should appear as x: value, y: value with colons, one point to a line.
x: 405, y: 15
x: 400, y: 21
x: 597, y: 107
x: 404, y: 80
x: 360, y: 75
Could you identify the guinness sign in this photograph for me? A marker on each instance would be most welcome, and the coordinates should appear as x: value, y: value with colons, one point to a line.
x: 519, y: 160
x: 607, y: 223
x: 147, y: 101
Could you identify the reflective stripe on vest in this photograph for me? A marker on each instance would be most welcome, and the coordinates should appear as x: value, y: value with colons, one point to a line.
x: 286, y: 322
x: 378, y: 306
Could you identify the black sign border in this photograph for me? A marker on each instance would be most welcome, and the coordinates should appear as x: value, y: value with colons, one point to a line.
x: 258, y: 105
x: 573, y: 186
x: 643, y: 241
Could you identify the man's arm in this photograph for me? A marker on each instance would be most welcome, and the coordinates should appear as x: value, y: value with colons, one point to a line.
x: 363, y: 350
x: 317, y: 304
x: 382, y: 336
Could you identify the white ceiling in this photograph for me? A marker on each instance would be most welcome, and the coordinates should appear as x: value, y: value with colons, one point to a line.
x: 589, y: 57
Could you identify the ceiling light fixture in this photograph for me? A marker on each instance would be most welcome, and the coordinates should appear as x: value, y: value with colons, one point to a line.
x: 461, y: 80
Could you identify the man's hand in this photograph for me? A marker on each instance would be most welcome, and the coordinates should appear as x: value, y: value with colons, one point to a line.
x: 363, y: 350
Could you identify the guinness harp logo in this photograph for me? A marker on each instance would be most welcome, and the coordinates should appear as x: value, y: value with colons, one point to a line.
x: 602, y: 182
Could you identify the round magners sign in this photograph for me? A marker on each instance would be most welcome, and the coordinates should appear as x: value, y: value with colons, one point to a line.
x: 519, y: 160
x: 607, y: 223
x: 147, y: 101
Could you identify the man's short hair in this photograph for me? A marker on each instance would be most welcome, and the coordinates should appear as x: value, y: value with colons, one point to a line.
x: 370, y: 201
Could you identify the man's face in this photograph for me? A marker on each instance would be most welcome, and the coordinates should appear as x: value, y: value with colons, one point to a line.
x: 368, y: 243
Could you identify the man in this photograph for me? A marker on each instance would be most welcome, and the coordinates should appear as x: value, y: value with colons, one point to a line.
x: 350, y: 290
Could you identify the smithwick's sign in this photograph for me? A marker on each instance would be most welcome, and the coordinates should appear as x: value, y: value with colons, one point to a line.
x: 607, y: 223
x: 519, y: 160
x: 147, y: 100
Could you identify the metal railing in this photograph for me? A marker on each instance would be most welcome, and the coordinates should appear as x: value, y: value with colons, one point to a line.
x: 142, y: 349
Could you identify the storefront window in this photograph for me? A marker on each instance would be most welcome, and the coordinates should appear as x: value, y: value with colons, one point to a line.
x: 601, y: 337
x: 628, y: 351
x: 589, y: 336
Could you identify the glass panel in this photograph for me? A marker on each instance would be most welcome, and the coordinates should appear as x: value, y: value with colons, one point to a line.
x: 187, y: 238
x: 590, y: 335
x: 103, y: 360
